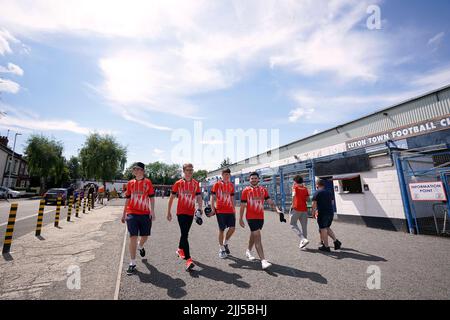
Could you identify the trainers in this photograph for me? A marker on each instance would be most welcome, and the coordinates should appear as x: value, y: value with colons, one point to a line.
x: 249, y: 255
x: 265, y: 264
x: 180, y: 254
x: 189, y: 265
x: 303, y: 243
x: 222, y: 254
x: 227, y: 250
x: 325, y: 249
x: 142, y: 252
x: 131, y: 270
x: 337, y: 245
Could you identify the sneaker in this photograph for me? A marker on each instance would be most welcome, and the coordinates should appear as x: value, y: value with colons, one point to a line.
x: 324, y: 249
x: 265, y: 264
x: 131, y: 270
x: 337, y: 245
x: 142, y: 252
x: 189, y: 265
x: 249, y: 255
x: 304, y: 243
x: 222, y: 254
x: 180, y: 254
x: 227, y: 250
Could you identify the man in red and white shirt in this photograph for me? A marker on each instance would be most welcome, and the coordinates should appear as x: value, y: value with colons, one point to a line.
x: 139, y: 212
x: 299, y: 210
x: 188, y: 192
x: 252, y: 200
x: 223, y: 207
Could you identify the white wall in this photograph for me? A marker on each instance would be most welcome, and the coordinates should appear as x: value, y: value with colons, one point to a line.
x: 383, y: 198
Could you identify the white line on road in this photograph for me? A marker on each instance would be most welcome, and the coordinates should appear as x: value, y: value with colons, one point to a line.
x: 27, y: 217
x: 119, y: 275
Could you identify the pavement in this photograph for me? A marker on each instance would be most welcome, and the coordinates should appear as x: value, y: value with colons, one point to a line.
x: 411, y: 266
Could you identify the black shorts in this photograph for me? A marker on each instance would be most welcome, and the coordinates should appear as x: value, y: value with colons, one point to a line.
x: 226, y: 220
x: 139, y: 225
x: 325, y: 220
x: 255, y: 224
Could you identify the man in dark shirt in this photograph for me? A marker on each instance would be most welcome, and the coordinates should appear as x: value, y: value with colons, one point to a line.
x: 323, y: 211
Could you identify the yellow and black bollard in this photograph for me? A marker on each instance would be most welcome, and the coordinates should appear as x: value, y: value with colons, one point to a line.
x: 78, y: 200
x: 10, y: 228
x: 90, y: 202
x: 58, y: 211
x: 84, y: 204
x: 69, y: 211
x: 40, y: 218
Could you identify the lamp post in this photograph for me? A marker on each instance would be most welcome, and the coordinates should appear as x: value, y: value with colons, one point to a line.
x: 12, y: 159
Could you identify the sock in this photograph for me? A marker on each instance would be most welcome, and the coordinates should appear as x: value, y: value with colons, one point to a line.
x: 140, y: 248
x: 225, y: 242
x: 133, y: 262
x: 222, y: 248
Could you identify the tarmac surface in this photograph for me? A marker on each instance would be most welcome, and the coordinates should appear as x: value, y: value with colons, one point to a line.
x: 410, y: 267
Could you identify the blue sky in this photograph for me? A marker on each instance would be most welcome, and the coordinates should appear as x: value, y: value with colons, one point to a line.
x: 143, y: 70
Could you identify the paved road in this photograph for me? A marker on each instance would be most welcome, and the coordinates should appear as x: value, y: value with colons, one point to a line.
x: 412, y: 267
x: 26, y: 217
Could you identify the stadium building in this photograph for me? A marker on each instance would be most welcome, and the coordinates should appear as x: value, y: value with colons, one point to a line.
x: 389, y: 169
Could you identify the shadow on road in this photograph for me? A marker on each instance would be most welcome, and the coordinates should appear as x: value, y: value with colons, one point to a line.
x: 219, y: 275
x: 276, y: 270
x: 345, y: 253
x: 174, y: 286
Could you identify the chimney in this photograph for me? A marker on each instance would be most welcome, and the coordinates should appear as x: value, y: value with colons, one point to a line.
x: 4, y: 141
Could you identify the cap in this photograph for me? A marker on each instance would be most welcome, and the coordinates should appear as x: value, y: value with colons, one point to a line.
x: 139, y: 165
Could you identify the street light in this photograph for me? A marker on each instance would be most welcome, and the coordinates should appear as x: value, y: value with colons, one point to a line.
x: 12, y: 158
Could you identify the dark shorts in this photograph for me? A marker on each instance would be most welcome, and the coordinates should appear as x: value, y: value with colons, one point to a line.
x: 325, y: 221
x: 139, y: 225
x: 255, y: 224
x: 226, y: 220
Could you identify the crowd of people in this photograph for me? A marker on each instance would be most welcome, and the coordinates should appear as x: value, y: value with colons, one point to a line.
x: 139, y: 213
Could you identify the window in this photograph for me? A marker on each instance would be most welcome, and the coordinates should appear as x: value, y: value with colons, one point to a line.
x: 349, y: 183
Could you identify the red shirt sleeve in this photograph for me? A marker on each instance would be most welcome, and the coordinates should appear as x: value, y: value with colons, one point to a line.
x: 214, y: 189
x: 244, y: 196
x: 197, y: 189
x: 128, y: 192
x: 151, y: 190
x: 175, y: 188
x: 266, y: 194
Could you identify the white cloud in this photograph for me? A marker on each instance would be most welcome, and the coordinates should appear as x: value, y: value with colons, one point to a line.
x: 161, y: 54
x: 5, y: 39
x: 158, y: 151
x: 12, y: 68
x: 29, y: 122
x: 437, y: 39
x: 300, y: 113
x: 9, y: 86
x: 434, y: 79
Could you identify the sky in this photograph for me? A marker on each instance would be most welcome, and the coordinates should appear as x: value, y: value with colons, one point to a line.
x: 173, y: 80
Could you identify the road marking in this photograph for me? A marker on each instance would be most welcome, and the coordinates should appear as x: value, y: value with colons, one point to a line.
x: 27, y: 217
x: 119, y: 275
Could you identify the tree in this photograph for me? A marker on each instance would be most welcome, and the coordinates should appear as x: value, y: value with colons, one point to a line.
x: 163, y: 173
x: 45, y: 160
x: 225, y: 163
x: 102, y: 157
x: 74, y: 168
x: 200, y: 175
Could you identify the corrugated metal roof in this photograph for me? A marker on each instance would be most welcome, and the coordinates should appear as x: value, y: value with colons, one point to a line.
x: 430, y: 105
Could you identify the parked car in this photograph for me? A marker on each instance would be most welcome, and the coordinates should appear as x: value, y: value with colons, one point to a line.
x: 51, y: 196
x: 9, y: 193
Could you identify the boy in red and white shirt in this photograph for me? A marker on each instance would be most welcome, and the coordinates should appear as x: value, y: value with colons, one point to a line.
x: 223, y: 207
x: 188, y: 192
x: 252, y: 200
x: 299, y: 210
x: 139, y: 212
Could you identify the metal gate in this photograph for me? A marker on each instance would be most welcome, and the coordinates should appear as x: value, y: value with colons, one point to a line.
x: 424, y: 180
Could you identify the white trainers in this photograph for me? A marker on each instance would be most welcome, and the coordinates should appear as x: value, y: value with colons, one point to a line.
x: 222, y: 254
x: 303, y: 243
x: 265, y: 264
x: 249, y: 255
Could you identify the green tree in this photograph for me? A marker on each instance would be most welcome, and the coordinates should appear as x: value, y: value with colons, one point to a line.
x: 163, y: 173
x: 74, y: 168
x: 200, y: 175
x: 45, y: 159
x: 102, y: 157
x: 225, y: 163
